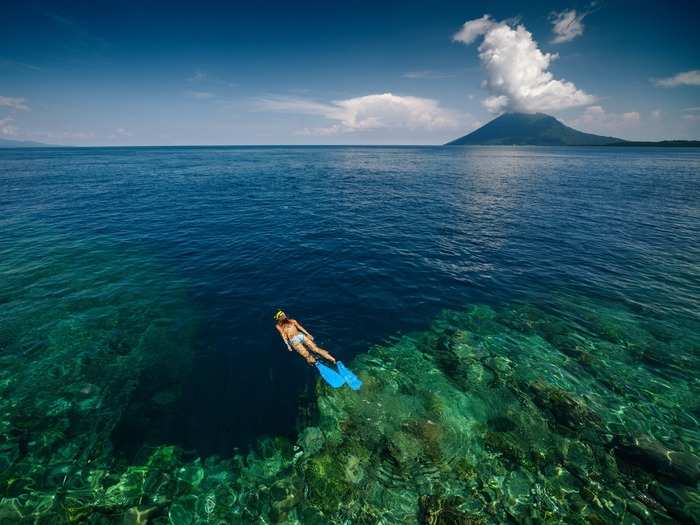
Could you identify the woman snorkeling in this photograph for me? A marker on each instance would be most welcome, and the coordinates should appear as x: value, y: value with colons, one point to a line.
x: 295, y: 336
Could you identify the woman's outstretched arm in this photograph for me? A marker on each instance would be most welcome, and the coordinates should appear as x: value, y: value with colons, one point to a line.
x: 284, y: 338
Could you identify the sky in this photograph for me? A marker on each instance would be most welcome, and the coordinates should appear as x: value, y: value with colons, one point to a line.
x: 166, y: 73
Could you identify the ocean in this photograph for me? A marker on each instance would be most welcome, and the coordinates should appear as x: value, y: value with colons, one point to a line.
x: 526, y: 321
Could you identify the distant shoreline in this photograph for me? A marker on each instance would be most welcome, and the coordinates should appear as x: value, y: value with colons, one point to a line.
x: 641, y: 144
x: 660, y: 144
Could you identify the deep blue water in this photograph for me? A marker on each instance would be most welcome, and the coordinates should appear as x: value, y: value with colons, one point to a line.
x: 359, y: 244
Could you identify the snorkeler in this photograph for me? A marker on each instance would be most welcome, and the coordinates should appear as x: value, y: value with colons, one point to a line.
x: 295, y: 336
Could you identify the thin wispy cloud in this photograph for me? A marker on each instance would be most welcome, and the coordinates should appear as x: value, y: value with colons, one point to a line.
x: 14, y: 103
x: 7, y: 128
x: 596, y: 119
x: 687, y: 78
x: 10, y: 130
x: 120, y: 133
x: 76, y: 36
x: 200, y: 95
x: 566, y: 25
x: 62, y: 135
x: 5, y: 62
x: 369, y: 112
x: 427, y: 74
x: 202, y: 77
x: 518, y: 75
x: 199, y: 76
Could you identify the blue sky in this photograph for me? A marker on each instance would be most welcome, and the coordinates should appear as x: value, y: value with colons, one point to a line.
x: 143, y: 73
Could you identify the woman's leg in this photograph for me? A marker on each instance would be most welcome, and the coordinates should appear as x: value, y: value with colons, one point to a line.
x: 303, y: 352
x: 320, y: 351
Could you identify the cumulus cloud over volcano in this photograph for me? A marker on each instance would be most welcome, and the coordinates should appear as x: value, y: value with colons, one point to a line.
x: 518, y: 75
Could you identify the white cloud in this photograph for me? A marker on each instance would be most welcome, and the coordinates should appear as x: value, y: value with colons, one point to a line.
x: 328, y: 131
x: 595, y: 119
x: 71, y: 135
x: 120, y: 133
x: 566, y: 25
x: 692, y: 110
x: 6, y: 127
x: 518, y: 76
x: 295, y: 105
x: 687, y: 78
x: 631, y: 117
x: 473, y: 29
x: 14, y: 102
x: 379, y: 111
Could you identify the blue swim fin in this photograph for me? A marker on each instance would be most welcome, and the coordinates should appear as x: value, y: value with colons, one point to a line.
x: 351, y: 379
x: 331, y: 377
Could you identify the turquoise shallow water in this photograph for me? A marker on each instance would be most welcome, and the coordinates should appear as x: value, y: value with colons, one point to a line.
x: 525, y: 321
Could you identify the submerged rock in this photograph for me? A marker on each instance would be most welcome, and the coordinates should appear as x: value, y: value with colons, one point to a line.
x: 682, y: 503
x: 139, y: 516
x: 191, y: 474
x: 326, y: 483
x: 354, y: 470
x: 443, y: 510
x: 565, y: 409
x: 284, y: 496
x: 404, y: 448
x: 449, y: 362
x: 311, y: 440
x: 183, y: 511
x: 654, y: 457
x: 508, y: 446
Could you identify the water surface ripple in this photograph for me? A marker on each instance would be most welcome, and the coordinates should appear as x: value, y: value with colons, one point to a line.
x: 361, y: 244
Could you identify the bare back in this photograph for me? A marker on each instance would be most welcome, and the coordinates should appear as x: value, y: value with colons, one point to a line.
x: 288, y: 329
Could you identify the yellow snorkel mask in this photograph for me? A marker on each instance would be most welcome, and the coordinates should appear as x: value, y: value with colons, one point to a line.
x: 279, y: 314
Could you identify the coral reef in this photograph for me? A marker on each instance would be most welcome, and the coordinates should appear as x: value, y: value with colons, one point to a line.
x: 583, y: 413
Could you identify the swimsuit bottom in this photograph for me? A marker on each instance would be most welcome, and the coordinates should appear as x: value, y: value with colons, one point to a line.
x: 299, y: 338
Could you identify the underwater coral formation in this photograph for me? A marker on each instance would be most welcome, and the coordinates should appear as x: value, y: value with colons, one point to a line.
x: 491, y: 415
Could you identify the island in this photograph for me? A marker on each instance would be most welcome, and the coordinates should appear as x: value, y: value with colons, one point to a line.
x: 539, y: 129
